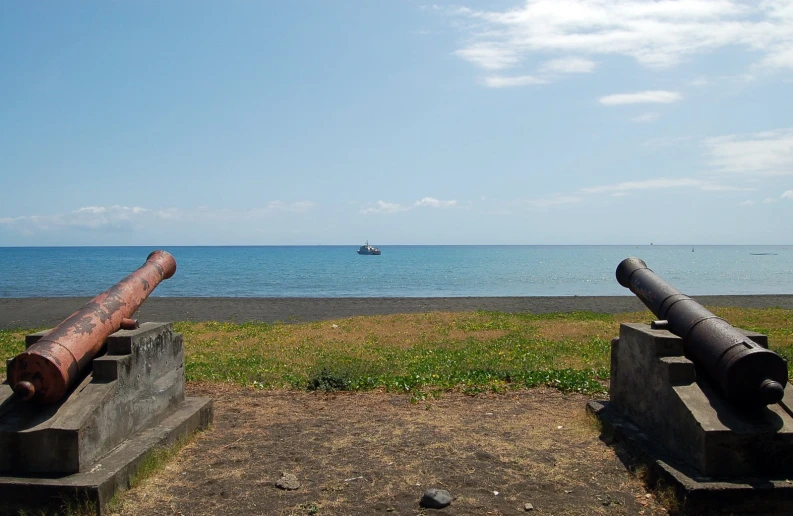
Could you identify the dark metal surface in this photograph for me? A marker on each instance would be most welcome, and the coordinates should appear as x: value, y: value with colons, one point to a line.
x: 746, y: 373
x: 48, y: 368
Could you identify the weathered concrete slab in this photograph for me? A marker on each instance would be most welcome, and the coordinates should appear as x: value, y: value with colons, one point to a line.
x: 110, y: 473
x: 696, y: 494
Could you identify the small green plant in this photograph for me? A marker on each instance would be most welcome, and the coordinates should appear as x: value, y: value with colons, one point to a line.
x: 310, y: 508
x: 328, y: 381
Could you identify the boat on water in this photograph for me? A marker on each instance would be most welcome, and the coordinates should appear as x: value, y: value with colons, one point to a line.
x: 368, y: 249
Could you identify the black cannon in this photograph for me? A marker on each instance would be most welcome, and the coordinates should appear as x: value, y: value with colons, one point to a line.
x: 747, y: 373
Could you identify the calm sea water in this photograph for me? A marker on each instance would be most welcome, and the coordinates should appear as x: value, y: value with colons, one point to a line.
x: 401, y: 271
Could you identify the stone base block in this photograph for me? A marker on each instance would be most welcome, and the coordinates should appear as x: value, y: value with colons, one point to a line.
x: 696, y: 494
x: 96, y: 487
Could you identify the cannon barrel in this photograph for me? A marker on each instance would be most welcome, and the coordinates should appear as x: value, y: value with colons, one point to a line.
x: 48, y: 368
x: 747, y: 373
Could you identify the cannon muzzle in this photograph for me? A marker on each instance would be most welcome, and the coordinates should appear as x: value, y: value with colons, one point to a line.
x: 745, y: 372
x: 48, y: 368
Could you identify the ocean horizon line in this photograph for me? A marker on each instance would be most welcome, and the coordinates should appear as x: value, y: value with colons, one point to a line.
x: 379, y: 244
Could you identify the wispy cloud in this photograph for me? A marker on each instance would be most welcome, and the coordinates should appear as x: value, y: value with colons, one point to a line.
x: 767, y: 153
x: 294, y: 207
x: 656, y: 34
x: 89, y: 218
x: 760, y: 154
x: 390, y: 207
x: 626, y: 188
x: 546, y: 72
x: 660, y: 184
x: 555, y: 200
x: 568, y: 65
x: 648, y: 184
x: 490, y: 56
x: 642, y: 97
x: 121, y: 219
x: 385, y: 207
x: 434, y: 203
x: 498, y: 81
x: 645, y: 118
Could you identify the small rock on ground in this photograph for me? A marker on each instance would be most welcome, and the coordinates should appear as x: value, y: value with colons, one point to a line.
x: 435, y: 498
x: 288, y: 481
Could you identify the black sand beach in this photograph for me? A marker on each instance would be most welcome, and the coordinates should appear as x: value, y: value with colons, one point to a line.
x: 42, y: 312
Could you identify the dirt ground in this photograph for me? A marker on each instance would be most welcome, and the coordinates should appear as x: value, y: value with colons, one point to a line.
x: 376, y: 453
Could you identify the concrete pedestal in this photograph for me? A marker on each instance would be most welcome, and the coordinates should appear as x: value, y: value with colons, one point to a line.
x: 713, y: 453
x: 89, y: 444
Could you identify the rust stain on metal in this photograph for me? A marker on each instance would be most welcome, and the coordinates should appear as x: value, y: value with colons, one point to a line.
x: 46, y: 370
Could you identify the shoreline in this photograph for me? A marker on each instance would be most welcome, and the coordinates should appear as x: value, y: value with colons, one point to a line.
x: 49, y: 311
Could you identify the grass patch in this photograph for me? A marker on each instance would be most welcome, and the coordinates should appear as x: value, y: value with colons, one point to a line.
x: 424, y: 353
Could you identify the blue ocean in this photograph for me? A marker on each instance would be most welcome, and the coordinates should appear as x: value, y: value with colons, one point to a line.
x: 401, y: 271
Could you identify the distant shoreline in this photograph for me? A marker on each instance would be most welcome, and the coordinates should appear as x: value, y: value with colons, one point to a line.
x: 49, y: 311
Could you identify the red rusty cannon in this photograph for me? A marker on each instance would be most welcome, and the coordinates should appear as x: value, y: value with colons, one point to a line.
x: 48, y: 368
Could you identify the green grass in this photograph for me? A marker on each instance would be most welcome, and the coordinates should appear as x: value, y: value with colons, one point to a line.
x: 423, y: 354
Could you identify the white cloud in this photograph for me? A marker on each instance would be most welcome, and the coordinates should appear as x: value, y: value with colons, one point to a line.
x: 498, y: 81
x: 385, y: 207
x: 568, y: 65
x: 434, y: 203
x: 647, y: 117
x: 642, y: 97
x: 768, y: 153
x: 490, y: 56
x: 655, y: 33
x: 769, y: 200
x: 90, y: 209
x: 746, y: 203
x: 787, y: 194
x: 390, y: 207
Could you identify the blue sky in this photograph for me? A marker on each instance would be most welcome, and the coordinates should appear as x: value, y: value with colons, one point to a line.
x: 400, y: 122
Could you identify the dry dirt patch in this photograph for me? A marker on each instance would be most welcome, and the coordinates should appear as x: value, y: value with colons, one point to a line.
x: 376, y: 453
